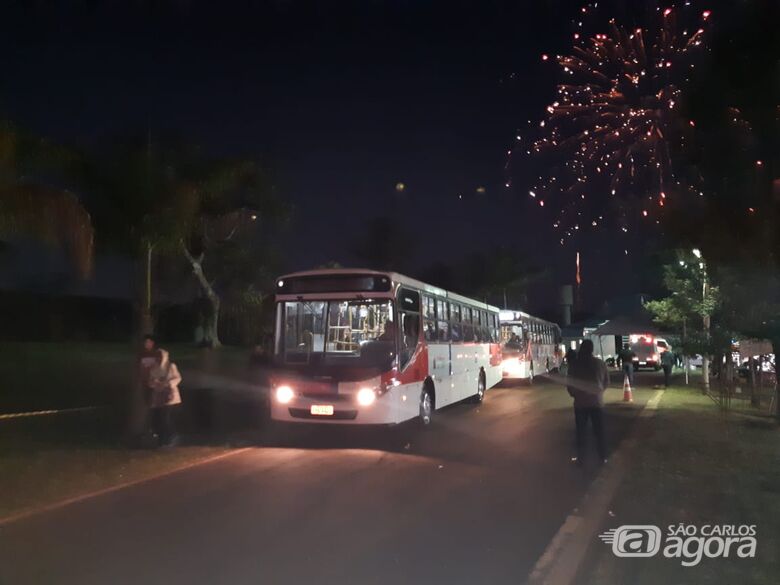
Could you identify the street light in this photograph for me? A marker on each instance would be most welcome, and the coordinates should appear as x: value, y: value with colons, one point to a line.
x: 705, y: 318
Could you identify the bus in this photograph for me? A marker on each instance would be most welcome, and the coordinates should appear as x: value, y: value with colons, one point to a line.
x: 368, y: 347
x: 530, y: 345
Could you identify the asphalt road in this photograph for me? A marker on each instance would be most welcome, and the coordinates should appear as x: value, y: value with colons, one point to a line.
x: 475, y: 499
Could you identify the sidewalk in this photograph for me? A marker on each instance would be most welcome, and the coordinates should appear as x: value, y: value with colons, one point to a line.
x: 696, y: 466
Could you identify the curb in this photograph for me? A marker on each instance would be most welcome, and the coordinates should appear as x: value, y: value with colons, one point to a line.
x: 114, y: 488
x: 564, y: 554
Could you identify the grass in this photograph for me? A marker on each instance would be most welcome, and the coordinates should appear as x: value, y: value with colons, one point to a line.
x: 697, y: 465
x: 47, y: 459
x: 44, y: 459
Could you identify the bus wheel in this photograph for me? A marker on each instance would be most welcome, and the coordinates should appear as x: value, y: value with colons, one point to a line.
x: 481, y: 386
x: 426, y: 406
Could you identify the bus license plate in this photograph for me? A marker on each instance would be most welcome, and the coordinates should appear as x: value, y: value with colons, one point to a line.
x: 322, y: 409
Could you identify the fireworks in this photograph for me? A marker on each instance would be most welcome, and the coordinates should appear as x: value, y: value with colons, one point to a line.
x: 609, y: 139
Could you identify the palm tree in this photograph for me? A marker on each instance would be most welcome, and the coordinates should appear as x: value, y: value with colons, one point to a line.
x: 32, y: 206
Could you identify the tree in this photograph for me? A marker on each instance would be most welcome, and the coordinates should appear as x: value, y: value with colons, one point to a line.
x: 219, y: 214
x: 32, y: 205
x: 134, y: 187
x: 692, y: 303
x: 167, y: 198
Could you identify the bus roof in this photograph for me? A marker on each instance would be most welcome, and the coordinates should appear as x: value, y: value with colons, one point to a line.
x: 396, y: 278
x: 509, y: 316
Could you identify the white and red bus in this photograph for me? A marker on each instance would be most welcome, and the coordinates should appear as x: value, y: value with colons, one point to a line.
x: 530, y: 346
x: 367, y: 347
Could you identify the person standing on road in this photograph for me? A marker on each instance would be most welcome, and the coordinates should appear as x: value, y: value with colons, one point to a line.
x: 587, y: 381
x: 667, y: 362
x: 627, y: 357
x: 163, y: 394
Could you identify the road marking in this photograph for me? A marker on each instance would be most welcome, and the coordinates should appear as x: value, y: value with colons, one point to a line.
x: 114, y: 488
x: 43, y: 412
x: 564, y: 554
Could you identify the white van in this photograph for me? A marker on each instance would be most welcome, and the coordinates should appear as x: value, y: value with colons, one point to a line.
x: 647, y: 351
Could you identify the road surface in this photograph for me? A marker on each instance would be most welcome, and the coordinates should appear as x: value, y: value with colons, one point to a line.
x: 475, y: 499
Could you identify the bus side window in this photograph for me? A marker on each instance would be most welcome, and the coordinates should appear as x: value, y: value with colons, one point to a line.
x: 455, y: 325
x: 442, y: 320
x: 478, y: 336
x: 468, y: 328
x: 429, y: 314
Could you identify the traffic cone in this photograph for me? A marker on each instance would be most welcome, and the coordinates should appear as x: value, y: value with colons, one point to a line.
x: 628, y: 395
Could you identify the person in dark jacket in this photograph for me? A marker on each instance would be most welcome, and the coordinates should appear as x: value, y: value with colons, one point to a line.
x: 587, y: 381
x: 667, y: 363
x: 568, y: 362
x: 627, y: 356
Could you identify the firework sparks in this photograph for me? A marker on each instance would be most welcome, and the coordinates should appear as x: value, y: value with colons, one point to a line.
x: 617, y: 122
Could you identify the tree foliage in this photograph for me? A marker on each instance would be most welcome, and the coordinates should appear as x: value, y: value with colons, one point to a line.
x: 693, y: 299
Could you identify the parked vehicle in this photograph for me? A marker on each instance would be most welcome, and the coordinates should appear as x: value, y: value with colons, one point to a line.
x: 647, y: 351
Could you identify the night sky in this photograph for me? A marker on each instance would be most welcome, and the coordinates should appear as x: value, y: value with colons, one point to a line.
x: 342, y: 99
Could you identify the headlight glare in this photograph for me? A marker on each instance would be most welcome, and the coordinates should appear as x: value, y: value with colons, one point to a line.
x: 366, y: 396
x: 284, y: 394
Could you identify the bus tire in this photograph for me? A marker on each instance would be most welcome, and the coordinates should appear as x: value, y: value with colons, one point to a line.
x: 427, y: 405
x: 481, y: 389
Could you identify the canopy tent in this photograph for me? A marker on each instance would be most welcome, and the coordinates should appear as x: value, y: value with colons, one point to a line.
x: 627, y: 326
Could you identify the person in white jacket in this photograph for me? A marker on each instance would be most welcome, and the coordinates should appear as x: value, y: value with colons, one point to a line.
x: 163, y: 394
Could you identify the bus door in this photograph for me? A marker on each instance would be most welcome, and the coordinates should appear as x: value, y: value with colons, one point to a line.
x: 437, y: 337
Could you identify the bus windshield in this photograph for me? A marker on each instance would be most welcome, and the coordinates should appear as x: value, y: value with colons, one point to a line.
x: 358, y: 331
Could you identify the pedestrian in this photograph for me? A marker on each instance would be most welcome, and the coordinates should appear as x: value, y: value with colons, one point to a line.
x: 627, y: 356
x: 667, y: 362
x: 587, y: 381
x: 568, y: 361
x: 163, y: 395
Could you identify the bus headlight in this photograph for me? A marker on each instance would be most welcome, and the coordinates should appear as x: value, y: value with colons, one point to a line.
x: 512, y: 367
x: 284, y: 394
x: 366, y: 396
